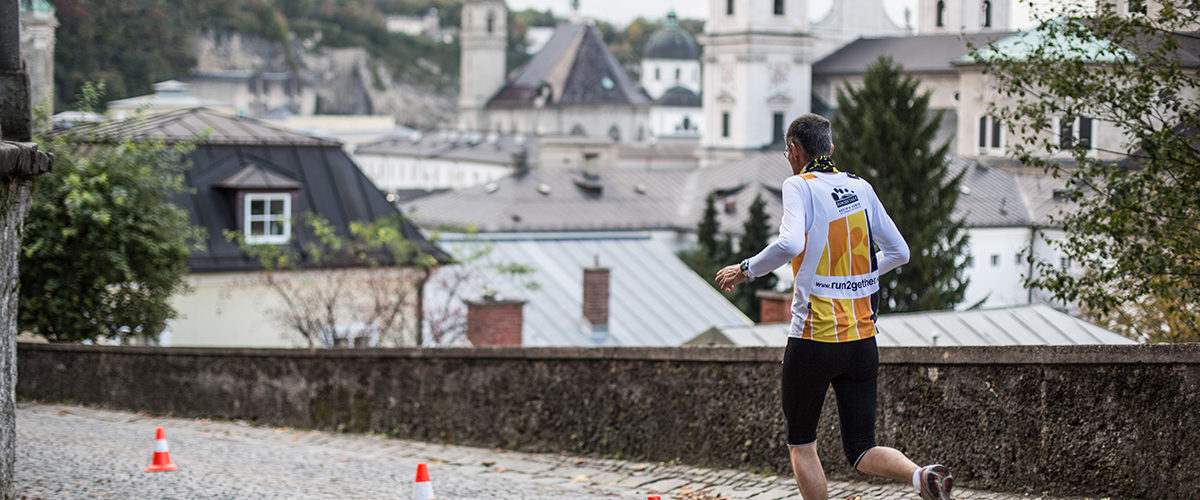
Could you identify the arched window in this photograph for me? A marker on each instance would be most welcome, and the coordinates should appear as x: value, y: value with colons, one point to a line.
x: 491, y: 22
x: 578, y: 130
x: 687, y: 123
x: 941, y: 14
x: 657, y: 74
x: 614, y: 133
x: 986, y: 10
x: 678, y: 74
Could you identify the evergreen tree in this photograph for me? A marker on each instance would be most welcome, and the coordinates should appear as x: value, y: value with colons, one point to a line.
x: 755, y: 234
x: 706, y: 231
x: 884, y: 131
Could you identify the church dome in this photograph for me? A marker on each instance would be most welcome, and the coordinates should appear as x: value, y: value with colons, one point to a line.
x: 671, y: 42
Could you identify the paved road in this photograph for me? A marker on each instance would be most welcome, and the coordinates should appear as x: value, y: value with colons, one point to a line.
x: 74, y: 452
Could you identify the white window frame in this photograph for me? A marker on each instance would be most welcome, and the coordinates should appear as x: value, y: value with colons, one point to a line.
x: 990, y: 121
x: 248, y: 218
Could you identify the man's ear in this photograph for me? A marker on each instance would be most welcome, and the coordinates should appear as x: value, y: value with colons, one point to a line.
x: 831, y: 148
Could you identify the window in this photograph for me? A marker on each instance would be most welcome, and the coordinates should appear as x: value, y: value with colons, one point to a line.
x: 779, y: 7
x: 491, y: 22
x: 687, y: 123
x: 1064, y: 262
x: 1075, y: 132
x: 657, y: 74
x: 267, y: 218
x: 986, y: 10
x: 777, y: 127
x: 729, y: 7
x: 970, y: 261
x: 995, y: 260
x: 941, y: 13
x: 990, y: 133
x: 725, y: 124
x: 678, y: 74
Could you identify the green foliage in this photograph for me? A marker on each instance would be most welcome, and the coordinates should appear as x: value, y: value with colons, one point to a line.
x: 104, y: 249
x: 756, y: 233
x: 133, y: 43
x: 884, y: 132
x: 1135, y: 234
x: 713, y: 250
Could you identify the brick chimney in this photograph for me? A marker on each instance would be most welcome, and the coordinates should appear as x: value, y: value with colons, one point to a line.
x: 595, y: 294
x: 774, y: 307
x: 492, y: 322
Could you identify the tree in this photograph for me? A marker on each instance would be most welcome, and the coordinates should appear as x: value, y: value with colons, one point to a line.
x: 104, y: 247
x: 884, y: 131
x: 369, y: 284
x: 755, y: 235
x: 1135, y: 234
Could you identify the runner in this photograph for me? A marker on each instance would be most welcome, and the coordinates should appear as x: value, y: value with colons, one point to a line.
x: 831, y: 219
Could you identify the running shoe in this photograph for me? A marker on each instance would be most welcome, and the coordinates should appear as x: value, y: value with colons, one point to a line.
x: 936, y: 482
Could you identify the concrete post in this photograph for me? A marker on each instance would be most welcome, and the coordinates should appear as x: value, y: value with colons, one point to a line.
x: 20, y: 161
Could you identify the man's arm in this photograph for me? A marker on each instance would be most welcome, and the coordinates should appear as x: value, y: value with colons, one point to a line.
x: 789, y: 244
x: 893, y: 250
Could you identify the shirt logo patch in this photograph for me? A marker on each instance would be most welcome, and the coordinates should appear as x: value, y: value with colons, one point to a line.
x: 845, y: 199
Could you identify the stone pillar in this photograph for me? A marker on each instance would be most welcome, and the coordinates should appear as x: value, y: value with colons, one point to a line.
x: 774, y: 307
x: 19, y: 163
x: 492, y: 322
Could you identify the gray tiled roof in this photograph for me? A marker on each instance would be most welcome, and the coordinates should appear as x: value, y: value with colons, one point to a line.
x: 988, y: 197
x: 562, y: 200
x: 1019, y: 325
x: 655, y: 300
x: 187, y: 125
x: 454, y: 145
x: 678, y: 96
x: 918, y: 54
x: 674, y: 199
x: 579, y: 69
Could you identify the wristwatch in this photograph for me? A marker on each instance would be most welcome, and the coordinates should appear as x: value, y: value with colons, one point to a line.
x: 745, y: 268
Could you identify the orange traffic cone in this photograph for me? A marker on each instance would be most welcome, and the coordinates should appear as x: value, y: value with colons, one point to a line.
x: 422, y: 488
x: 162, y: 457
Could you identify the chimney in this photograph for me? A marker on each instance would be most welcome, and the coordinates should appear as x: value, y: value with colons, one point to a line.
x: 494, y: 322
x: 774, y: 307
x: 595, y: 294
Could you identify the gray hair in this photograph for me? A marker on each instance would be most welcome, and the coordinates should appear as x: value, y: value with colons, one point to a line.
x: 812, y: 133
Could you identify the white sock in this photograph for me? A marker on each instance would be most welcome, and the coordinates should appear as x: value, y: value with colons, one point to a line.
x: 917, y: 478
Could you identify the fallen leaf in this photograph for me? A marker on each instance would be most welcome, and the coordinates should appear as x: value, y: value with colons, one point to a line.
x: 579, y: 479
x: 639, y: 467
x: 501, y: 469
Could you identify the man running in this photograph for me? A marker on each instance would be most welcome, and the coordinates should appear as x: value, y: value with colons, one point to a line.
x: 831, y: 219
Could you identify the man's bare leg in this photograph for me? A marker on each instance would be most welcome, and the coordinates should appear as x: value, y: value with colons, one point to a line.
x: 810, y: 477
x: 886, y: 462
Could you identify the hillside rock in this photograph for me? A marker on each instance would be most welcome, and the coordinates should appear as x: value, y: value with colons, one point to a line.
x: 345, y: 80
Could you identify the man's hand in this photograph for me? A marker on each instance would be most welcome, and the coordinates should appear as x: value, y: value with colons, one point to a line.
x: 729, y: 276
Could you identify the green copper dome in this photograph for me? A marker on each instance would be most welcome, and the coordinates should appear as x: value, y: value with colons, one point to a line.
x: 36, y: 6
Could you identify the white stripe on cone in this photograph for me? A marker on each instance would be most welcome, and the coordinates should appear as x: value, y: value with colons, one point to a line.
x: 423, y: 491
x: 160, y: 446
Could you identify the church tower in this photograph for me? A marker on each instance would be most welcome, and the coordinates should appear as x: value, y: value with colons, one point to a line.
x: 954, y: 16
x: 38, y: 24
x: 484, y: 38
x: 758, y: 57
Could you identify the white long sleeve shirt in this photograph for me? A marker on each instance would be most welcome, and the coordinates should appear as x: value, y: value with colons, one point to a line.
x: 830, y: 221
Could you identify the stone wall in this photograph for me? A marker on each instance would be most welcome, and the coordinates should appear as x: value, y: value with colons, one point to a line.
x: 1086, y: 420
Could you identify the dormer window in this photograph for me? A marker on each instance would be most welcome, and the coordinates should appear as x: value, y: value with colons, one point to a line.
x: 263, y: 202
x: 268, y: 218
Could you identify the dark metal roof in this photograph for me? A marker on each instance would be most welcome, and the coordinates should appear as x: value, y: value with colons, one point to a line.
x: 681, y: 97
x: 671, y: 42
x: 454, y: 145
x: 574, y: 68
x: 329, y: 182
x: 918, y: 54
x: 196, y: 124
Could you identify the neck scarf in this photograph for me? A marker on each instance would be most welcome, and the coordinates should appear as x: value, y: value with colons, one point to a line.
x: 820, y: 164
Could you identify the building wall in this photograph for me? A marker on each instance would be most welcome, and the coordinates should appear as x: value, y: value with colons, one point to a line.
x: 669, y: 121
x: 658, y: 75
x: 632, y: 123
x: 997, y: 265
x: 236, y: 310
x: 1058, y: 421
x: 483, y: 59
x: 963, y: 15
x: 394, y: 172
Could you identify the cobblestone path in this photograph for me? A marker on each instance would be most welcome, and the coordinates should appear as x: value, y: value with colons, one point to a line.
x: 74, y: 452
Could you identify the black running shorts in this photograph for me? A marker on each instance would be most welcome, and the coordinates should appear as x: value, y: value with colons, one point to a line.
x: 809, y: 367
